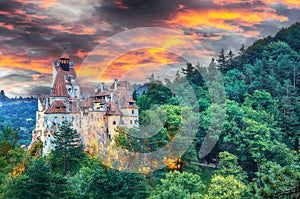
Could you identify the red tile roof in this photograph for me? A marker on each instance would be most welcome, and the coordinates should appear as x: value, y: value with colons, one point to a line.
x: 124, y: 84
x: 114, y: 109
x: 58, y: 106
x: 59, y: 87
x: 125, y: 98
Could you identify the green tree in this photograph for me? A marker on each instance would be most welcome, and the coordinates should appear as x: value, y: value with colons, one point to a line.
x: 68, y: 151
x: 235, y: 85
x: 179, y: 185
x: 228, y: 165
x: 228, y: 187
x: 279, y: 182
x: 94, y: 181
x: 37, y: 182
x: 222, y: 62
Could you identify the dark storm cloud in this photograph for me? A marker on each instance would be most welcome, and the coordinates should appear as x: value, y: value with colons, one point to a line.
x: 228, y: 42
x: 32, y: 36
x: 16, y: 78
x: 272, y: 27
x: 292, y: 14
x: 9, y: 5
x: 137, y: 13
x: 34, y: 32
x: 38, y: 91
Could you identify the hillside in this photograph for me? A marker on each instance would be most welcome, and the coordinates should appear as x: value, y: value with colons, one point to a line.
x: 19, y: 114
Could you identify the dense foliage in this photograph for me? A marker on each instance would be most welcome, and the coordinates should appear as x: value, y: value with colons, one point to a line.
x: 19, y: 114
x: 256, y: 156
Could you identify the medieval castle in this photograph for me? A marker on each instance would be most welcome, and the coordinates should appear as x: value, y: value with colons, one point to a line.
x: 95, y: 116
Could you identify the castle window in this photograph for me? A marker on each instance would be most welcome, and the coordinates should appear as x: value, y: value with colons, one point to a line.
x: 132, y: 112
x: 114, y: 123
x: 130, y: 121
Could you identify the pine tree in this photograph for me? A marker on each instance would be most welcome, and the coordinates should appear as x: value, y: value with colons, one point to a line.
x: 222, y: 62
x: 230, y: 60
x: 68, y: 149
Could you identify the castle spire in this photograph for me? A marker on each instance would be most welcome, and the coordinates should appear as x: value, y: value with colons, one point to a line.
x: 65, y: 55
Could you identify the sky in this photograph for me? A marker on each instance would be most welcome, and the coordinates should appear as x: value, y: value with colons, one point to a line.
x: 33, y: 33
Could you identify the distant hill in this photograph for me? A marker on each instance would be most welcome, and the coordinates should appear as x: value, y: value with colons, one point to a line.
x: 288, y: 35
x: 3, y: 97
x: 19, y: 114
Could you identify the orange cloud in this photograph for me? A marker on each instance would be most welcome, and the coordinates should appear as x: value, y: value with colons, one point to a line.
x: 142, y: 59
x: 8, y: 26
x: 225, y: 2
x: 40, y: 3
x: 77, y: 29
x: 221, y: 18
x: 18, y: 62
x: 120, y: 5
x: 48, y: 3
x: 289, y: 3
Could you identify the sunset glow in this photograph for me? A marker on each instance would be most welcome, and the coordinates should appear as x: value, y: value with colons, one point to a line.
x: 34, y: 33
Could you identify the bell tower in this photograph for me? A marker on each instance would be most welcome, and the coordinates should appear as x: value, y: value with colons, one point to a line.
x: 64, y: 61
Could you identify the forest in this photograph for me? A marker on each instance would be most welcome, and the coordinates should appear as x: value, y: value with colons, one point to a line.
x: 256, y: 155
x: 19, y: 114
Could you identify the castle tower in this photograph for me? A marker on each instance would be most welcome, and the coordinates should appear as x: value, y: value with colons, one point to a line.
x: 64, y: 61
x: 95, y: 116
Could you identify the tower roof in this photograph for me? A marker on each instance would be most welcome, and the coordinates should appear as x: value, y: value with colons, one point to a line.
x: 59, y: 87
x: 65, y: 55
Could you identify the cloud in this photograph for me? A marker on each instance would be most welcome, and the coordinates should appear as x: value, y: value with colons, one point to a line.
x: 34, y: 32
x: 16, y: 82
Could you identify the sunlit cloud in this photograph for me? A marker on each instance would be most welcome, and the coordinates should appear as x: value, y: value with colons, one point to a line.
x: 143, y: 60
x: 288, y: 3
x: 119, y: 4
x: 34, y: 32
x: 222, y: 19
x: 43, y: 66
x: 8, y: 26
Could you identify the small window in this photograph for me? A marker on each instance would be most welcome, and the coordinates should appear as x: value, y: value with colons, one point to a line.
x: 114, y: 123
x: 132, y: 112
x: 130, y: 121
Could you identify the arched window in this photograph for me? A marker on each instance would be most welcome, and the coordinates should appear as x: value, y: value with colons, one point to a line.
x: 132, y: 112
x: 114, y: 122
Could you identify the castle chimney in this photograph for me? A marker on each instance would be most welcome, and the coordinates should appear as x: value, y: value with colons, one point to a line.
x: 111, y: 96
x: 116, y: 83
x: 47, y: 102
x: 102, y: 87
